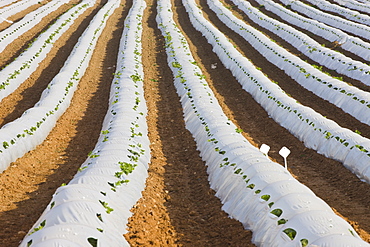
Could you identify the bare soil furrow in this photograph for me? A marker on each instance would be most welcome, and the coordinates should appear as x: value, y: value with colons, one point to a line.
x: 329, y: 179
x: 177, y: 208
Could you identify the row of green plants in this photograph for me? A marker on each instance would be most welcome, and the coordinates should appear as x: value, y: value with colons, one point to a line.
x: 14, y: 8
x: 345, y: 12
x: 357, y: 5
x: 16, y: 72
x: 218, y: 140
x: 318, y: 28
x: 316, y: 131
x: 333, y: 34
x: 17, y: 29
x: 331, y: 20
x: 350, y: 99
x: 113, y: 175
x: 6, y: 2
x: 308, y: 46
x: 33, y: 126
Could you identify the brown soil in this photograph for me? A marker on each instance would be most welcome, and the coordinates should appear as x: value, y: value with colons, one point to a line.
x: 177, y: 208
x: 182, y: 209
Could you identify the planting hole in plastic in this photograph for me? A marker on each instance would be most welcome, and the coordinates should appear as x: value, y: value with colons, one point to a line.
x: 93, y: 242
x: 99, y: 217
x: 277, y: 212
x: 304, y: 242
x: 251, y: 186
x: 291, y: 233
x: 238, y: 171
x: 265, y: 197
x: 282, y: 221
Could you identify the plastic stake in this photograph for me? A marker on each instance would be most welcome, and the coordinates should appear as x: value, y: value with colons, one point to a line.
x: 264, y: 149
x: 284, y: 151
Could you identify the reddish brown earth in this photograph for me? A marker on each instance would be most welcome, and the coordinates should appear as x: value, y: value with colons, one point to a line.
x: 177, y: 208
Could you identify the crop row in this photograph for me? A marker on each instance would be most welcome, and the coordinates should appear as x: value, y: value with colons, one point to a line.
x: 308, y: 46
x: 343, y: 24
x: 93, y: 209
x: 12, y: 9
x: 25, y: 133
x: 10, y: 34
x: 350, y: 99
x: 347, y: 13
x: 254, y: 190
x: 357, y: 5
x: 6, y: 2
x: 348, y: 42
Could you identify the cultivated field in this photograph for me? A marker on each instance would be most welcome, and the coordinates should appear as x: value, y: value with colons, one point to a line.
x: 178, y: 206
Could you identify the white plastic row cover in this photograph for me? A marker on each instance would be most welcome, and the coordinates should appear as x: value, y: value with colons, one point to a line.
x: 93, y: 209
x: 322, y: 55
x: 6, y: 2
x: 11, y: 33
x: 316, y: 131
x: 347, y: 42
x: 28, y: 61
x: 28, y: 131
x: 335, y: 21
x: 345, y: 12
x: 14, y: 8
x: 350, y: 99
x: 364, y: 6
x: 246, y: 181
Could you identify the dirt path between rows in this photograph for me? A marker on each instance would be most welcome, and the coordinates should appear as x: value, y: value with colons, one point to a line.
x: 177, y: 208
